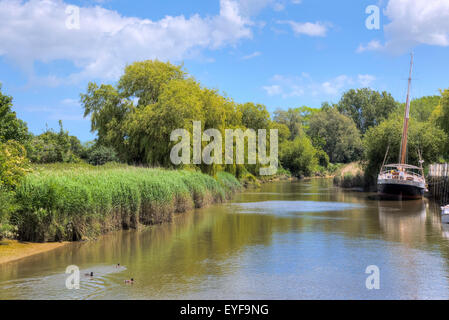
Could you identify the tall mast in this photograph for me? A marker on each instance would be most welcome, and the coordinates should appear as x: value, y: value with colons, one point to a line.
x: 403, y: 154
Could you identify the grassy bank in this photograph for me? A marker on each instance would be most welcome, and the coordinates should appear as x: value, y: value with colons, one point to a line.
x: 70, y: 204
x: 350, y: 176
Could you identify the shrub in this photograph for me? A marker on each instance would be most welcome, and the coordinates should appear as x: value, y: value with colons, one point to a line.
x: 100, y: 155
x: 13, y: 164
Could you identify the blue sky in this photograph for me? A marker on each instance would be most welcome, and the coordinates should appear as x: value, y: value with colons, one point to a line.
x: 281, y: 53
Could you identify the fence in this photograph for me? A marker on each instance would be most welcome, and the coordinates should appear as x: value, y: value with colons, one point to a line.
x: 438, y: 180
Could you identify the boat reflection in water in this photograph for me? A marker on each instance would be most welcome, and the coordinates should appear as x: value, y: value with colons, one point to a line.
x: 403, y: 221
x: 410, y: 222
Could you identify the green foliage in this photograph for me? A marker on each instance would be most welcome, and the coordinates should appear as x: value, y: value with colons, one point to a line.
x: 6, y: 207
x: 75, y: 204
x: 254, y: 116
x: 350, y: 181
x: 336, y: 134
x: 100, y: 155
x: 367, y: 107
x: 292, y: 119
x: 441, y: 113
x: 421, y: 109
x: 145, y: 80
x: 50, y: 147
x: 423, y: 136
x: 299, y: 156
x: 13, y: 164
x: 323, y: 158
x: 11, y: 128
x: 108, y: 111
x: 228, y: 182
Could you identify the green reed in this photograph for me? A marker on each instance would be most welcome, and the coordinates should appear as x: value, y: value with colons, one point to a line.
x: 78, y: 202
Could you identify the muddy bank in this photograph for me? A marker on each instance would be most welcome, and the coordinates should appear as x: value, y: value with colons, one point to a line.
x: 13, y: 250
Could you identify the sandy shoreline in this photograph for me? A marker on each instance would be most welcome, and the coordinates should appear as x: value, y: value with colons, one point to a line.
x: 13, y: 250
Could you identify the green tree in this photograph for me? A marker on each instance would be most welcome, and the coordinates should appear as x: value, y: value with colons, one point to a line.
x: 440, y: 115
x: 337, y: 135
x: 421, y: 109
x: 11, y: 128
x: 51, y: 147
x: 298, y: 156
x: 99, y: 155
x: 179, y: 104
x: 292, y: 119
x: 254, y: 116
x: 423, y: 136
x: 13, y: 164
x: 108, y: 111
x: 145, y: 80
x: 368, y: 108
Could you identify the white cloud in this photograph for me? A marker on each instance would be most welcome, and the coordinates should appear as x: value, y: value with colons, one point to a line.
x: 253, y: 7
x: 252, y: 55
x: 366, y: 79
x: 106, y: 41
x: 316, y: 29
x: 413, y: 23
x: 273, y: 90
x: 373, y: 45
x: 296, y: 86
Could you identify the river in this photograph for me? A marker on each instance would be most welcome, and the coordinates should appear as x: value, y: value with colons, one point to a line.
x: 300, y: 240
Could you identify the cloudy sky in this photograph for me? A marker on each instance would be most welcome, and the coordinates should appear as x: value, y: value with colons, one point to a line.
x: 282, y: 53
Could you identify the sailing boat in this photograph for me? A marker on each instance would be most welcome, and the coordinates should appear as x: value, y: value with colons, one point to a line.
x: 402, y: 180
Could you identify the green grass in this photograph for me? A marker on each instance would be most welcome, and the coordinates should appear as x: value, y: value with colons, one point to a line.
x: 79, y: 201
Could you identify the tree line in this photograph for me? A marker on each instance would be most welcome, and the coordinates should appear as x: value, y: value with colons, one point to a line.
x: 134, y: 118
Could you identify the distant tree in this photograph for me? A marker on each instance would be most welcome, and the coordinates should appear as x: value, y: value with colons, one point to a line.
x: 51, y: 147
x: 440, y: 115
x: 13, y: 164
x: 337, y: 135
x: 422, y: 108
x: 298, y: 156
x: 292, y: 119
x: 306, y: 114
x: 368, y: 108
x: 100, y: 155
x: 11, y: 128
x: 283, y: 131
x: 254, y: 116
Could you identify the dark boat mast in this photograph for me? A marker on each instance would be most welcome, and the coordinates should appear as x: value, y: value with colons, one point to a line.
x: 403, y: 152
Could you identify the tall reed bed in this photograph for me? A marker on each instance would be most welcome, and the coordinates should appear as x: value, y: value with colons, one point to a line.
x: 77, y: 203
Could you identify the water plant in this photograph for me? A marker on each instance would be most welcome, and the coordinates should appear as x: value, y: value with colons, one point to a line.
x: 84, y: 202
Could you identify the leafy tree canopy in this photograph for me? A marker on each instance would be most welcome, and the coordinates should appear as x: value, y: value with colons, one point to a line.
x: 337, y: 134
x: 11, y: 128
x: 368, y: 108
x: 423, y: 136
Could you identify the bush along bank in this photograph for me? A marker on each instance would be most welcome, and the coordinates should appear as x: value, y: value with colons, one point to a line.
x: 351, y: 176
x: 72, y: 205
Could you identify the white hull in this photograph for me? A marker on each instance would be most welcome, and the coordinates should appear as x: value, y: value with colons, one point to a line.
x: 445, y: 214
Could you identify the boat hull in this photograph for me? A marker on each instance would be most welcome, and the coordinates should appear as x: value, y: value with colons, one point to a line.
x: 402, y: 191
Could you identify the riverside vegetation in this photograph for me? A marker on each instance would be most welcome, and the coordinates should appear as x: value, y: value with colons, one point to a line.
x: 83, y: 202
x: 53, y: 187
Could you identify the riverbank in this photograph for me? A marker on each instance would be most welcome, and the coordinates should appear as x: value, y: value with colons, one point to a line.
x: 350, y: 176
x: 81, y: 203
x: 13, y: 250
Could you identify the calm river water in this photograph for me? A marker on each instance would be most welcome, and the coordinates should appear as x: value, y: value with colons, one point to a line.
x: 301, y: 240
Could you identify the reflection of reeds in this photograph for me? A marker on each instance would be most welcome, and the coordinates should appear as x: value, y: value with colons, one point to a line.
x: 76, y: 204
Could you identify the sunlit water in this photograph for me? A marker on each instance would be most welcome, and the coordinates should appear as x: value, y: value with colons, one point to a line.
x: 302, y: 240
